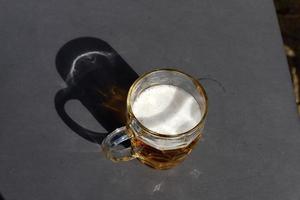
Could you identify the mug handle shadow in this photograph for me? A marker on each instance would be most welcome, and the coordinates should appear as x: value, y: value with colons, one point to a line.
x: 61, y: 98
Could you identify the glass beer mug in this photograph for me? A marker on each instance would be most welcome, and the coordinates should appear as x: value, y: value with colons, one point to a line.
x: 166, y: 112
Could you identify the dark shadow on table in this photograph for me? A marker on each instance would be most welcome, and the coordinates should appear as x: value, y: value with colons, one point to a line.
x: 1, y: 197
x: 99, y: 78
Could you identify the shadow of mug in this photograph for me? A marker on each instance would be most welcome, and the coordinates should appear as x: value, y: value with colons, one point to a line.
x: 99, y: 78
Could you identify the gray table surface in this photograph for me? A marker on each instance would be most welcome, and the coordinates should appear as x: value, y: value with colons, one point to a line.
x: 252, y: 138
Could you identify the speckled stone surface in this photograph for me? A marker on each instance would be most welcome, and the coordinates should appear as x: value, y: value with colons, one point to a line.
x: 252, y: 137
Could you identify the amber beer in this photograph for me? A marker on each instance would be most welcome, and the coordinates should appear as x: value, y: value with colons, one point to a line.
x: 166, y: 110
x: 161, y: 159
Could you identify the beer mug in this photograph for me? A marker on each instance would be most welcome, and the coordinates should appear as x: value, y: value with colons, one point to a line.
x: 166, y: 112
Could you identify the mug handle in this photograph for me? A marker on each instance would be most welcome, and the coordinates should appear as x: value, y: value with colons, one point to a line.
x: 114, y: 148
x: 61, y: 98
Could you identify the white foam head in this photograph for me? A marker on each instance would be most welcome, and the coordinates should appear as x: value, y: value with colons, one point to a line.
x: 167, y: 109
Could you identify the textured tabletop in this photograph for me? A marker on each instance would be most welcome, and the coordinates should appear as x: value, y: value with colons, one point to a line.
x: 252, y: 136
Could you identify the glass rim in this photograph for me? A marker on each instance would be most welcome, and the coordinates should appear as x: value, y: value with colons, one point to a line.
x: 199, y: 88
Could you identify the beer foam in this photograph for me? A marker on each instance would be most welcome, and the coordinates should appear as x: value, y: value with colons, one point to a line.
x: 167, y: 109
